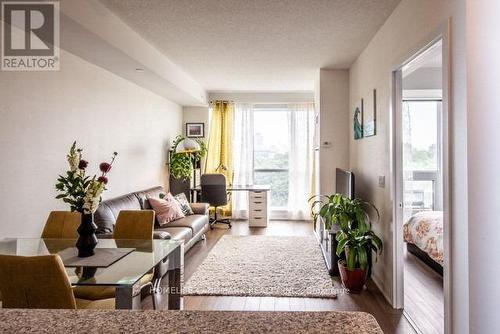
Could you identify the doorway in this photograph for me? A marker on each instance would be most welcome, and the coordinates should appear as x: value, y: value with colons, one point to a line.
x: 420, y: 138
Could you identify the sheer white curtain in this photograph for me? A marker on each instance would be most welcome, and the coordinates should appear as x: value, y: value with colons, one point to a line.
x: 301, y: 129
x: 242, y: 157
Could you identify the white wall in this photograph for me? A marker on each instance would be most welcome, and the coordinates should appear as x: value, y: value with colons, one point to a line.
x: 410, y: 24
x: 424, y: 78
x: 483, y: 120
x: 333, y: 96
x: 41, y: 113
x: 195, y: 115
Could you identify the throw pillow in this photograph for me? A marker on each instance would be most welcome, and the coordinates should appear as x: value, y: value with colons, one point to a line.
x: 184, y: 204
x: 166, y: 209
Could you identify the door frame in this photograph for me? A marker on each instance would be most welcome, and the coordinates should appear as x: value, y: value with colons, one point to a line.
x: 443, y: 33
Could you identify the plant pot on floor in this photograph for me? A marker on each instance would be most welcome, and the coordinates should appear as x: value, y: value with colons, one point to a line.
x: 353, y: 280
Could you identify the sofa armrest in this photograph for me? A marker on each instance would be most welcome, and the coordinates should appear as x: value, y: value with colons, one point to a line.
x: 104, y: 235
x: 199, y: 208
x: 162, y: 235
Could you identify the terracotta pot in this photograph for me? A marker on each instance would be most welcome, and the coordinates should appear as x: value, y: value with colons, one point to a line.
x: 353, y: 280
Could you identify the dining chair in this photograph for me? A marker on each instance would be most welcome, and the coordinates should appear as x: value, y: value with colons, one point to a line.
x: 214, y: 192
x: 131, y: 225
x: 62, y: 225
x: 134, y: 224
x: 40, y: 282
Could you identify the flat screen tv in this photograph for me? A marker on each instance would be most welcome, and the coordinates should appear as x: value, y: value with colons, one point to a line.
x: 344, y: 181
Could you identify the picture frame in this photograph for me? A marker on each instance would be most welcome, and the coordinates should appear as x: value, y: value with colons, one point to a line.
x: 358, y: 120
x: 195, y: 130
x: 370, y: 115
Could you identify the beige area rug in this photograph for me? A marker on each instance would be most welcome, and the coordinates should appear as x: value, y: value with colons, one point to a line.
x: 263, y: 266
x: 187, y: 322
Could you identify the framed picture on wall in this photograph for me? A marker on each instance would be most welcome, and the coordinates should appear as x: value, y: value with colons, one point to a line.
x: 370, y: 114
x: 358, y: 121
x: 195, y: 130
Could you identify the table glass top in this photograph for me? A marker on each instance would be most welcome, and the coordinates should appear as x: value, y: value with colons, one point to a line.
x: 127, y: 271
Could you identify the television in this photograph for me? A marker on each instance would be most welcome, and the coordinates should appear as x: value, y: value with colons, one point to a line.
x: 344, y: 181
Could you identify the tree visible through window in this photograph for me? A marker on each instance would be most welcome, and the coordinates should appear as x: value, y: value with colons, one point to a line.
x: 271, y: 152
x: 421, y: 151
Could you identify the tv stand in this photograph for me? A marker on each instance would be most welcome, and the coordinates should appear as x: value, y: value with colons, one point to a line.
x: 328, y: 246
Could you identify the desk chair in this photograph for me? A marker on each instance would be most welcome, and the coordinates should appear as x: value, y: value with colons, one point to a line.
x: 41, y: 282
x: 214, y: 192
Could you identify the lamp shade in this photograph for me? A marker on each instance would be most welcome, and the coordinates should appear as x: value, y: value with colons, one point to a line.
x: 187, y: 145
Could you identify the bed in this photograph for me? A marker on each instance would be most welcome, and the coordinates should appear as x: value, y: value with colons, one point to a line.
x: 423, y: 234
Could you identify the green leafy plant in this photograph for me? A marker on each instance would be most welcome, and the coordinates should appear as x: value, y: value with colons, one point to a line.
x: 339, y: 209
x: 356, y: 243
x: 80, y: 191
x: 181, y: 163
x: 355, y: 236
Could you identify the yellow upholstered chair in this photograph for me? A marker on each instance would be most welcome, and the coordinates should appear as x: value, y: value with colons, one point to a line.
x: 134, y: 224
x: 130, y: 224
x: 40, y: 282
x: 62, y: 225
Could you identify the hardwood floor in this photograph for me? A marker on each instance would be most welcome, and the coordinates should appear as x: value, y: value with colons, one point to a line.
x: 371, y: 300
x: 423, y: 295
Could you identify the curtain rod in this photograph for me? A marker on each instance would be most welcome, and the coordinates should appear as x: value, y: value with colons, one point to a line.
x: 266, y: 103
x: 222, y: 101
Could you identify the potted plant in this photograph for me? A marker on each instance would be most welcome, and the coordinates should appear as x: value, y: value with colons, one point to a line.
x: 355, y: 238
x: 83, y: 194
x: 184, y: 154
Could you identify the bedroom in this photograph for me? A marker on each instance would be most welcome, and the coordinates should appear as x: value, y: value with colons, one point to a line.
x: 422, y: 173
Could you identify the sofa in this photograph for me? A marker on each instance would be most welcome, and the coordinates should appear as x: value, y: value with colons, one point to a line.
x: 191, y: 228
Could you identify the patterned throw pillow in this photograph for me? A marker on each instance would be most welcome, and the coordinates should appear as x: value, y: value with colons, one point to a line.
x: 184, y: 204
x: 166, y: 209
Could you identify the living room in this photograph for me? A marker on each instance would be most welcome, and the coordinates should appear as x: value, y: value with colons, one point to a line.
x: 250, y: 139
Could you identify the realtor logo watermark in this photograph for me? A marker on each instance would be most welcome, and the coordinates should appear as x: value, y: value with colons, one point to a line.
x: 30, y: 36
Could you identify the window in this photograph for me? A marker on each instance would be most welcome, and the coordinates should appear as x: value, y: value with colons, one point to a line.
x: 421, y: 152
x: 271, y: 152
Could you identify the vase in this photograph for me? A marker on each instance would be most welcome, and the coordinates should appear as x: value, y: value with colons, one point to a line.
x: 87, y: 239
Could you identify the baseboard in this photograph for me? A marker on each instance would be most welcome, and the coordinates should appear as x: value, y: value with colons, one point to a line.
x: 376, y: 281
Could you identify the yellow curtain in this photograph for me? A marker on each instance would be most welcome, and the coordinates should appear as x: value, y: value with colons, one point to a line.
x: 220, y: 149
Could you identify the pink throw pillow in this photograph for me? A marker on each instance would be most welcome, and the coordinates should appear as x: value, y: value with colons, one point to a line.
x: 166, y: 209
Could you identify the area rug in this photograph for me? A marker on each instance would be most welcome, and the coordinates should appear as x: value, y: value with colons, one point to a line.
x: 263, y: 266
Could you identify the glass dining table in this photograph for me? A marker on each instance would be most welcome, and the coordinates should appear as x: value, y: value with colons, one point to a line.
x: 166, y: 257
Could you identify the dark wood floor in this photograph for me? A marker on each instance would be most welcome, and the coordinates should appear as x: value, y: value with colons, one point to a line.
x: 371, y: 300
x: 423, y: 295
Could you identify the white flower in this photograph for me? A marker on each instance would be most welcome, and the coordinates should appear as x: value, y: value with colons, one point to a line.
x: 74, y: 161
x: 93, y: 196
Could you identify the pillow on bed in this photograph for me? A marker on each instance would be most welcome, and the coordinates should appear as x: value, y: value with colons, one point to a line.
x: 166, y: 209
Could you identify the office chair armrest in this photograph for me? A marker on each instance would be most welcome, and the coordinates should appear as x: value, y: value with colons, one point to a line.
x: 199, y: 208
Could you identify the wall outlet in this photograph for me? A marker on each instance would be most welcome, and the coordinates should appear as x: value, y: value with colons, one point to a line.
x: 381, y: 181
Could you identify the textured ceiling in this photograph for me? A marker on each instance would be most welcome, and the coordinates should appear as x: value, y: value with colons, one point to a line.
x: 256, y: 45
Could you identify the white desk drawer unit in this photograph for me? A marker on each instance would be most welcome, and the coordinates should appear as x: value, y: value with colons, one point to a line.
x: 258, y: 208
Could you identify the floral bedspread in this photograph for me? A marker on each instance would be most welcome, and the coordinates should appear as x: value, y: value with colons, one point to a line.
x: 425, y: 230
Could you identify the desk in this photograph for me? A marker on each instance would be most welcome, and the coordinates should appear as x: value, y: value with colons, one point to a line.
x: 258, y: 202
x: 124, y: 274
